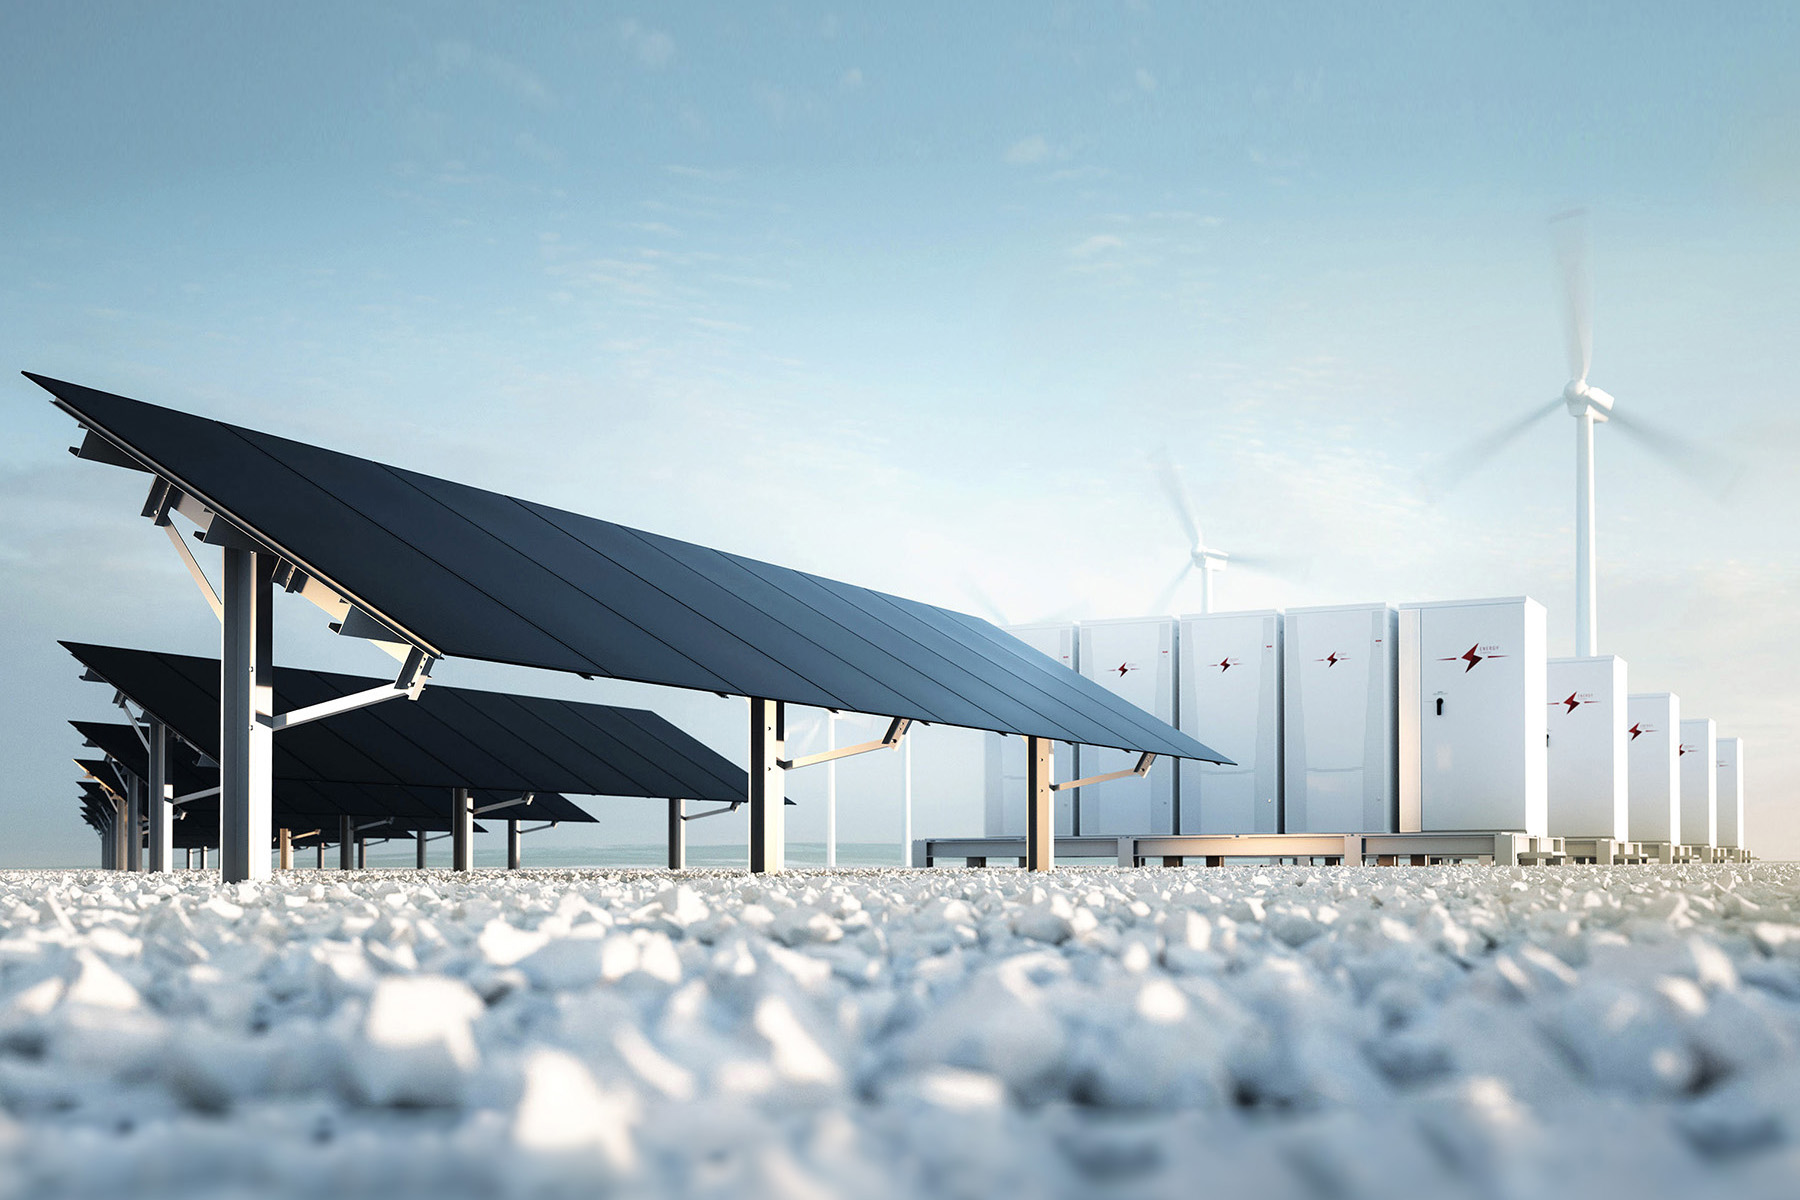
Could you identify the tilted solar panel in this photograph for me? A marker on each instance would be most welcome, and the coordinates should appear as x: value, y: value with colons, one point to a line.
x: 449, y: 737
x: 477, y: 574
x: 298, y: 800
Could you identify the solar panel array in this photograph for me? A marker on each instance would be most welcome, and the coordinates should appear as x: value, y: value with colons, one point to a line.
x: 466, y: 572
x: 448, y: 737
x: 300, y: 802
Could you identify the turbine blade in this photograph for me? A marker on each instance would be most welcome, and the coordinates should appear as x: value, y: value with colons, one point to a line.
x: 1169, y: 476
x: 1167, y: 598
x: 1703, y: 466
x: 1458, y: 466
x: 1291, y: 567
x: 979, y: 597
x: 1571, y: 235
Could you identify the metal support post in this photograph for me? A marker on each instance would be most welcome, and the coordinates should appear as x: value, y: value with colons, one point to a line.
x: 246, y: 704
x: 462, y: 830
x: 121, y: 821
x: 134, y: 824
x: 202, y: 858
x: 284, y: 840
x: 318, y: 852
x: 831, y: 793
x: 512, y: 843
x: 768, y: 732
x: 677, y: 836
x: 362, y: 853
x: 1040, y: 816
x: 346, y: 843
x: 906, y: 838
x: 156, y: 798
x: 420, y: 836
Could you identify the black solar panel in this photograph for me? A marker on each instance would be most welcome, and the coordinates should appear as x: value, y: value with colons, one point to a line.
x: 448, y: 737
x: 296, y: 801
x: 481, y: 575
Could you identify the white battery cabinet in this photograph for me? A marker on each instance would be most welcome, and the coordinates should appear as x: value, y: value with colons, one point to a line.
x: 1230, y: 699
x: 1731, y: 793
x: 1653, y: 752
x: 1004, y: 811
x: 1339, y: 745
x: 1472, y: 718
x: 1699, y: 782
x: 1133, y: 658
x: 1589, y: 781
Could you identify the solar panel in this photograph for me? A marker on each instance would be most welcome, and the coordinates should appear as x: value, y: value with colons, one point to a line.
x: 298, y: 801
x: 448, y: 737
x: 477, y: 574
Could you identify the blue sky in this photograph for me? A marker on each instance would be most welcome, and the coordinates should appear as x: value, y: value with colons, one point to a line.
x: 909, y: 295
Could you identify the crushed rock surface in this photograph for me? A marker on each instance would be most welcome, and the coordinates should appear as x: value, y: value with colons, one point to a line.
x: 1243, y: 1031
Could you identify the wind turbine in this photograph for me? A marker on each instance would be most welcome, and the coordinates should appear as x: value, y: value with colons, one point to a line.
x: 1590, y: 406
x: 1206, y: 559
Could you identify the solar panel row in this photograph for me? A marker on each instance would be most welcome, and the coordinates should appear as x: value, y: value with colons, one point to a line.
x: 448, y: 737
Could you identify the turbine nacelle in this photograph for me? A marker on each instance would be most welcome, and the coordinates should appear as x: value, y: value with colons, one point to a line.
x: 1208, y: 559
x: 1582, y: 398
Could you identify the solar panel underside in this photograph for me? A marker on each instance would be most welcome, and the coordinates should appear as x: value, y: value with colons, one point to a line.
x: 448, y: 737
x: 482, y: 575
x: 299, y: 799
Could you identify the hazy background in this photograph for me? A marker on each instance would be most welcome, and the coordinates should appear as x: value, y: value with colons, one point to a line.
x: 908, y: 297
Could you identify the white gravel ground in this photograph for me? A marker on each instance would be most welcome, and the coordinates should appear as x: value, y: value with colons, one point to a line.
x: 1453, y: 1031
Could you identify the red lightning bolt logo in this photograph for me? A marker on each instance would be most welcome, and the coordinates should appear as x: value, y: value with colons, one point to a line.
x: 1634, y: 731
x: 1331, y: 660
x: 1572, y: 702
x: 1224, y: 665
x: 1469, y: 657
x: 1122, y: 668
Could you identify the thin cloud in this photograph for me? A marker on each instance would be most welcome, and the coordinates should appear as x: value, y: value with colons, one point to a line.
x: 1026, y: 151
x: 1100, y: 243
x: 653, y: 48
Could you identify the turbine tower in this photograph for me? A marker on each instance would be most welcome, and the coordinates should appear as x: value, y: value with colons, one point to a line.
x: 1589, y: 406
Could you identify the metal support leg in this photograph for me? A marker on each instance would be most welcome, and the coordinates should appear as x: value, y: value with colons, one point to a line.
x: 120, y: 822
x: 284, y: 841
x: 906, y: 837
x: 420, y: 837
x: 1040, y: 816
x: 346, y: 843
x: 462, y: 829
x: 677, y: 836
x: 246, y: 692
x: 362, y: 853
x: 156, y: 799
x: 512, y: 844
x: 318, y: 853
x: 134, y: 824
x: 768, y: 840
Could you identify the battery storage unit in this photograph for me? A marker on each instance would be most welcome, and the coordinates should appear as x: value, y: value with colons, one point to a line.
x: 1731, y: 793
x: 1339, y: 749
x: 1472, y: 717
x: 1230, y: 698
x: 1653, y: 752
x: 1004, y: 814
x: 1134, y: 659
x: 1589, y: 780
x: 1699, y: 782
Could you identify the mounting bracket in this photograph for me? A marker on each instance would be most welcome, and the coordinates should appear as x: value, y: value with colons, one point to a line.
x: 1142, y: 768
x: 414, y: 675
x: 890, y: 740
